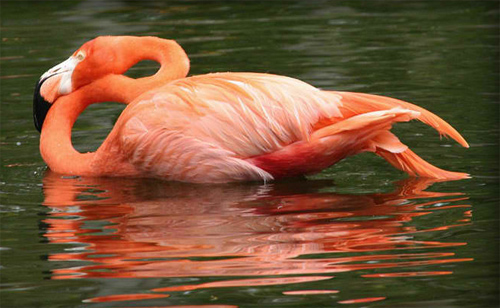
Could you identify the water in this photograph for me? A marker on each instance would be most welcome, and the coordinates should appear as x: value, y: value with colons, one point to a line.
x: 358, y: 234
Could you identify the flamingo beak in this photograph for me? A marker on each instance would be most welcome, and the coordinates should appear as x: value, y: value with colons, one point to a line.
x: 40, y: 107
x: 54, y: 83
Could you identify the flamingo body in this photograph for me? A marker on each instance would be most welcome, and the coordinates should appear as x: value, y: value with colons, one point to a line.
x: 218, y: 127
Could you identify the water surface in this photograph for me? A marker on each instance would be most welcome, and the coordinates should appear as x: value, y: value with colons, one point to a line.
x: 360, y: 233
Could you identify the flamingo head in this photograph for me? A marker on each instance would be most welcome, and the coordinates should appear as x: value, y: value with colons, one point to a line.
x: 102, y: 57
x: 94, y: 60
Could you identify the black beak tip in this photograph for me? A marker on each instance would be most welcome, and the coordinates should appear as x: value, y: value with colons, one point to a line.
x: 40, y: 107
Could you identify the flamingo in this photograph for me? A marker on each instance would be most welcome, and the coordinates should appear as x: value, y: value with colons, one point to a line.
x: 218, y: 127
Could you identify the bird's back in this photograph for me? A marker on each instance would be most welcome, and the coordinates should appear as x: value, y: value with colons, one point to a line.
x: 248, y: 114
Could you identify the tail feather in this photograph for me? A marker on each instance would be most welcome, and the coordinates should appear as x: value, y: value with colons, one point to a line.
x: 383, y: 143
x: 412, y: 164
x: 364, y: 127
x: 358, y: 103
x: 389, y: 147
x: 369, y: 122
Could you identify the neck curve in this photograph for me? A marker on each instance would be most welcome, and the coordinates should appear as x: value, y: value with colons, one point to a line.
x: 56, y: 147
x: 174, y: 63
x: 55, y: 140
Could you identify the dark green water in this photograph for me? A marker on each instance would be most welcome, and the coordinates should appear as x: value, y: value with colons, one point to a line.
x: 358, y: 234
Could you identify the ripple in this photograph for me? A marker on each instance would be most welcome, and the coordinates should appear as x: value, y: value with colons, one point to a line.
x: 124, y: 297
x: 246, y: 235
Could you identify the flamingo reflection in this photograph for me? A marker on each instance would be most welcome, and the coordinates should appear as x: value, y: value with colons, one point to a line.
x: 144, y: 228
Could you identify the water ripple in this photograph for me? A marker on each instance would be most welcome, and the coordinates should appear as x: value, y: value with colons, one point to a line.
x: 272, y: 234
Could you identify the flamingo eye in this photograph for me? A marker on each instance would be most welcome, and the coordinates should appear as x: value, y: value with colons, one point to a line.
x: 80, y: 56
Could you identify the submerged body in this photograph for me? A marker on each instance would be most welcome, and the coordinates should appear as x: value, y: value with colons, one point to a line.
x: 219, y: 127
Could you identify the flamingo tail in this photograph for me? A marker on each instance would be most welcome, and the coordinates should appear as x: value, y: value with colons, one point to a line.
x: 414, y: 165
x: 387, y: 145
x: 359, y: 103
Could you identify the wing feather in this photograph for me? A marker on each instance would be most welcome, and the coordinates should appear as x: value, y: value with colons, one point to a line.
x: 252, y: 114
x: 212, y: 123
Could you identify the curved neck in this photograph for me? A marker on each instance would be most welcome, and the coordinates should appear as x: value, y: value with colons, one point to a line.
x: 55, y: 140
x: 56, y: 147
x: 174, y: 63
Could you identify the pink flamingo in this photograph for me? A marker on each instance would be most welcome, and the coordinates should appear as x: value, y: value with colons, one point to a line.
x: 218, y: 127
